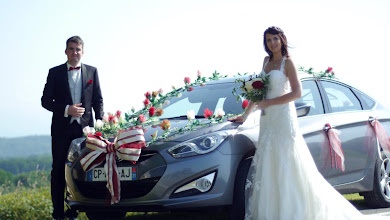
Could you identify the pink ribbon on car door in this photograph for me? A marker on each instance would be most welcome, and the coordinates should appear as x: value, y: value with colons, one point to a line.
x: 334, y: 155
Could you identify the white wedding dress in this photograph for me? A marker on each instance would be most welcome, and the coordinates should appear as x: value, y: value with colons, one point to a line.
x: 284, y: 182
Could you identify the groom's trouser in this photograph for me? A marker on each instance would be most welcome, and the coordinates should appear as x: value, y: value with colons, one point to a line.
x: 59, y: 148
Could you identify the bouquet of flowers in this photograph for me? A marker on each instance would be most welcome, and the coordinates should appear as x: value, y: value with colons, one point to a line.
x: 254, y: 89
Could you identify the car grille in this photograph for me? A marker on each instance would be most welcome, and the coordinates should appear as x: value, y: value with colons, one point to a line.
x: 149, y: 160
x: 129, y: 189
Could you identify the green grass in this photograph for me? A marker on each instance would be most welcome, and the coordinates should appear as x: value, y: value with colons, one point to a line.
x: 30, y: 199
x: 354, y: 197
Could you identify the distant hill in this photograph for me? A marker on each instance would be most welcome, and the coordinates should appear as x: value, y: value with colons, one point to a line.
x: 22, y: 147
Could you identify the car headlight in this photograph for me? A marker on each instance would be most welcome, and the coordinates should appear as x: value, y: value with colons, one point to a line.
x: 200, y: 145
x: 75, y: 149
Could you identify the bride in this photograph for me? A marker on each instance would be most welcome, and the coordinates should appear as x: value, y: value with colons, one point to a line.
x: 285, y: 182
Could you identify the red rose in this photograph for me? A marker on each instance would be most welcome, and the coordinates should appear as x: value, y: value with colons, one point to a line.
x: 329, y: 70
x: 118, y: 113
x: 187, y: 80
x: 207, y: 113
x: 90, y: 81
x: 113, y: 119
x: 258, y: 84
x: 146, y: 102
x: 99, y: 134
x: 245, y: 104
x: 151, y: 111
x: 147, y: 95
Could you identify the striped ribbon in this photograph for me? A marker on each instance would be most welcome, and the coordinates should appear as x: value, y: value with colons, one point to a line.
x: 127, y: 146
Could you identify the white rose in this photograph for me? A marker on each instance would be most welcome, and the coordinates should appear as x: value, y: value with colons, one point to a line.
x: 248, y: 86
x: 105, y: 118
x: 166, y: 103
x: 88, y: 130
x: 220, y: 112
x: 121, y: 119
x: 99, y: 124
x: 191, y: 115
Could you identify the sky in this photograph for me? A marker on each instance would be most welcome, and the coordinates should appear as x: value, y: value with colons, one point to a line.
x: 141, y: 46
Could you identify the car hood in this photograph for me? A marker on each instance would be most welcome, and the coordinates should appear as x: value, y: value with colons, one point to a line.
x: 177, y: 135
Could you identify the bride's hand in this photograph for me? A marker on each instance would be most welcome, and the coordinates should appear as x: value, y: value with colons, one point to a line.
x: 237, y: 119
x: 263, y: 104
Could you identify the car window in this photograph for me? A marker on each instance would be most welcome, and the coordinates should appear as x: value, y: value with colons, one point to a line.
x: 341, y: 98
x: 212, y: 96
x: 367, y: 102
x: 311, y: 95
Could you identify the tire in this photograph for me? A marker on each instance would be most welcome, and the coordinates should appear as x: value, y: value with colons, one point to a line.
x: 379, y: 197
x: 237, y: 210
x: 100, y: 215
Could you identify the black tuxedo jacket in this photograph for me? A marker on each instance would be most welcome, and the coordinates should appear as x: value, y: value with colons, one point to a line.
x: 56, y: 96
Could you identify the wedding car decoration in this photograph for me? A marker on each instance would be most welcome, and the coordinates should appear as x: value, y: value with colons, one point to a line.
x: 113, y: 124
x: 154, y: 102
x: 127, y: 146
x: 128, y: 133
x: 381, y: 134
x: 333, y: 153
x: 328, y: 73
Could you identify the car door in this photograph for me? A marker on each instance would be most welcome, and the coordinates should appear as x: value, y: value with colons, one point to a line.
x: 312, y: 125
x: 348, y: 117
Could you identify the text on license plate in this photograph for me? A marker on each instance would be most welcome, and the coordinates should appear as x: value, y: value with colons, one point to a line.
x: 125, y: 173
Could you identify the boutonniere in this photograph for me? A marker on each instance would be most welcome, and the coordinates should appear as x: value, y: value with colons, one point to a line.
x: 90, y: 81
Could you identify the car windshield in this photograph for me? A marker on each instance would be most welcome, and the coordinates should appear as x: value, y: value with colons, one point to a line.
x: 213, y: 97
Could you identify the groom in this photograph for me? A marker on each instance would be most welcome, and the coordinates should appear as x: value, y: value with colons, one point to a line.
x: 71, y: 91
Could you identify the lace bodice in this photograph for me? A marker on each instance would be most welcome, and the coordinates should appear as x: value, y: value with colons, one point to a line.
x: 279, y: 84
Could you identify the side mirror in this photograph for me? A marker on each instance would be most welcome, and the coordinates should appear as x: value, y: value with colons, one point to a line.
x: 303, y: 109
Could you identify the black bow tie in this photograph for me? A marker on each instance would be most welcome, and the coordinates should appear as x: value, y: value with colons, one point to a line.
x: 74, y: 68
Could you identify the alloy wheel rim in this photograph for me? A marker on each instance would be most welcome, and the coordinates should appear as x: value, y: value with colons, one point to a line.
x: 385, y: 178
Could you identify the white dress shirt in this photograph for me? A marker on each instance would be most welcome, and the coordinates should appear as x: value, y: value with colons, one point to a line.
x: 75, y: 86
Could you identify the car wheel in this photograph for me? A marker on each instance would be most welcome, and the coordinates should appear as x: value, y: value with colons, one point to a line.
x: 380, y: 195
x: 237, y: 210
x: 99, y: 215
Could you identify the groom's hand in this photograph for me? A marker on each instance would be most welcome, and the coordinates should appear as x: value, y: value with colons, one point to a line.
x: 76, y: 111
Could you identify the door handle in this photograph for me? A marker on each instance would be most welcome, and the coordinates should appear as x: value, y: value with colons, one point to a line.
x: 327, y: 127
x: 371, y: 119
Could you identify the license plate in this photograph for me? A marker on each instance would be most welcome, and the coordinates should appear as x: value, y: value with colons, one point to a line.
x: 125, y: 173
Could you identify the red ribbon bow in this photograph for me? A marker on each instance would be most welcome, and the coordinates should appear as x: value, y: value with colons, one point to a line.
x: 127, y: 146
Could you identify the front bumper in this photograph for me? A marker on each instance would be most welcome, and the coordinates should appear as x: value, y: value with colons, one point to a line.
x: 161, y: 176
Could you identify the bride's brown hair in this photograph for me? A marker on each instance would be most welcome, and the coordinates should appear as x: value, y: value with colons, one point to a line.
x: 276, y: 31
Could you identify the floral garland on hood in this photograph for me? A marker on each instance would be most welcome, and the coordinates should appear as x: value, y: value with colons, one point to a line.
x: 112, y: 124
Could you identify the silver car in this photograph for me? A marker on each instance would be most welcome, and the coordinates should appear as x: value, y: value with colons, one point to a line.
x: 207, y: 167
